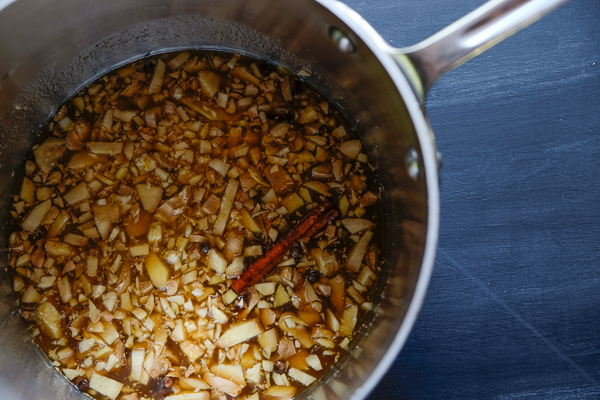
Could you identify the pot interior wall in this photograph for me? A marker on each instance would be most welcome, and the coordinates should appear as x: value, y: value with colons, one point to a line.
x: 50, y: 49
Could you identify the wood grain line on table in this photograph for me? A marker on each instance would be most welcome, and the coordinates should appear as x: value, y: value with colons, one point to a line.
x: 446, y: 259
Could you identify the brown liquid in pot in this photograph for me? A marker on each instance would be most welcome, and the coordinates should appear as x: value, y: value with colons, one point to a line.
x: 154, y: 189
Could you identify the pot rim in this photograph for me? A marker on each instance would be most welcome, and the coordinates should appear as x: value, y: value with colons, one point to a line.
x: 5, y: 3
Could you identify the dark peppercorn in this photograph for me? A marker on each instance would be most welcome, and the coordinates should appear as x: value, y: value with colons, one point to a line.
x: 297, y: 251
x: 148, y: 67
x: 313, y: 276
x: 167, y: 381
x: 267, y: 68
x: 205, y: 247
x: 280, y: 366
x: 267, y: 246
x: 83, y: 385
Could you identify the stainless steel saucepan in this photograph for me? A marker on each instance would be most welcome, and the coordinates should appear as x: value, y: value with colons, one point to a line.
x: 51, y: 48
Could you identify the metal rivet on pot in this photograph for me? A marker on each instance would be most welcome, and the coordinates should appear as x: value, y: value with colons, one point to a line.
x: 411, y: 161
x: 341, y: 40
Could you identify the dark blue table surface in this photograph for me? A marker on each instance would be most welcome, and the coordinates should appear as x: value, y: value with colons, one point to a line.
x: 513, y: 307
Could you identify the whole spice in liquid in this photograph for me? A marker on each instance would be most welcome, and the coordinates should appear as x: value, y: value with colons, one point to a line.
x: 195, y: 225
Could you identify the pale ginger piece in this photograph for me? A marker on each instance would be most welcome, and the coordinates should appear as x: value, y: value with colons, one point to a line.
x: 265, y: 288
x: 232, y: 372
x: 76, y: 240
x: 277, y: 392
x: 157, y: 270
x: 112, y: 362
x: 142, y: 249
x: 105, y: 148
x: 314, y: 362
x: 368, y: 199
x: 319, y: 187
x: 36, y: 216
x: 104, y: 216
x: 351, y: 148
x: 348, y: 320
x: 279, y: 178
x: 254, y: 375
x: 110, y: 334
x: 137, y: 361
x: 191, y: 350
x: 301, y: 376
x: 332, y: 321
x: 294, y: 326
x: 93, y: 312
x: 234, y: 244
x: 193, y: 383
x: 107, y: 386
x: 72, y: 373
x: 308, y: 115
x: 222, y: 384
x: 286, y: 348
x: 245, y: 75
x: 27, y: 191
x: 150, y: 196
x: 327, y: 264
x: 30, y: 295
x: 64, y: 289
x: 84, y: 159
x: 269, y: 340
x: 157, y: 78
x: 178, y: 333
x: 281, y: 297
x: 240, y: 333
x: 247, y: 181
x: 226, y: 204
x: 55, y: 248
x: 236, y: 268
x: 219, y: 166
x: 48, y: 153
x: 209, y: 81
x: 267, y: 316
x: 292, y: 202
x: 178, y: 60
x: 357, y: 253
x: 356, y: 225
x: 280, y: 130
x: 159, y: 367
x: 229, y: 297
x: 50, y: 320
x: 79, y: 193
x: 217, y: 261
x: 218, y: 315
x: 211, y: 205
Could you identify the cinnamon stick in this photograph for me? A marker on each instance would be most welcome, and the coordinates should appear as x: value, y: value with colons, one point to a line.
x: 311, y: 224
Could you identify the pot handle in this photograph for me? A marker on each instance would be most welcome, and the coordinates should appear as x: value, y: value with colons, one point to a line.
x: 468, y: 37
